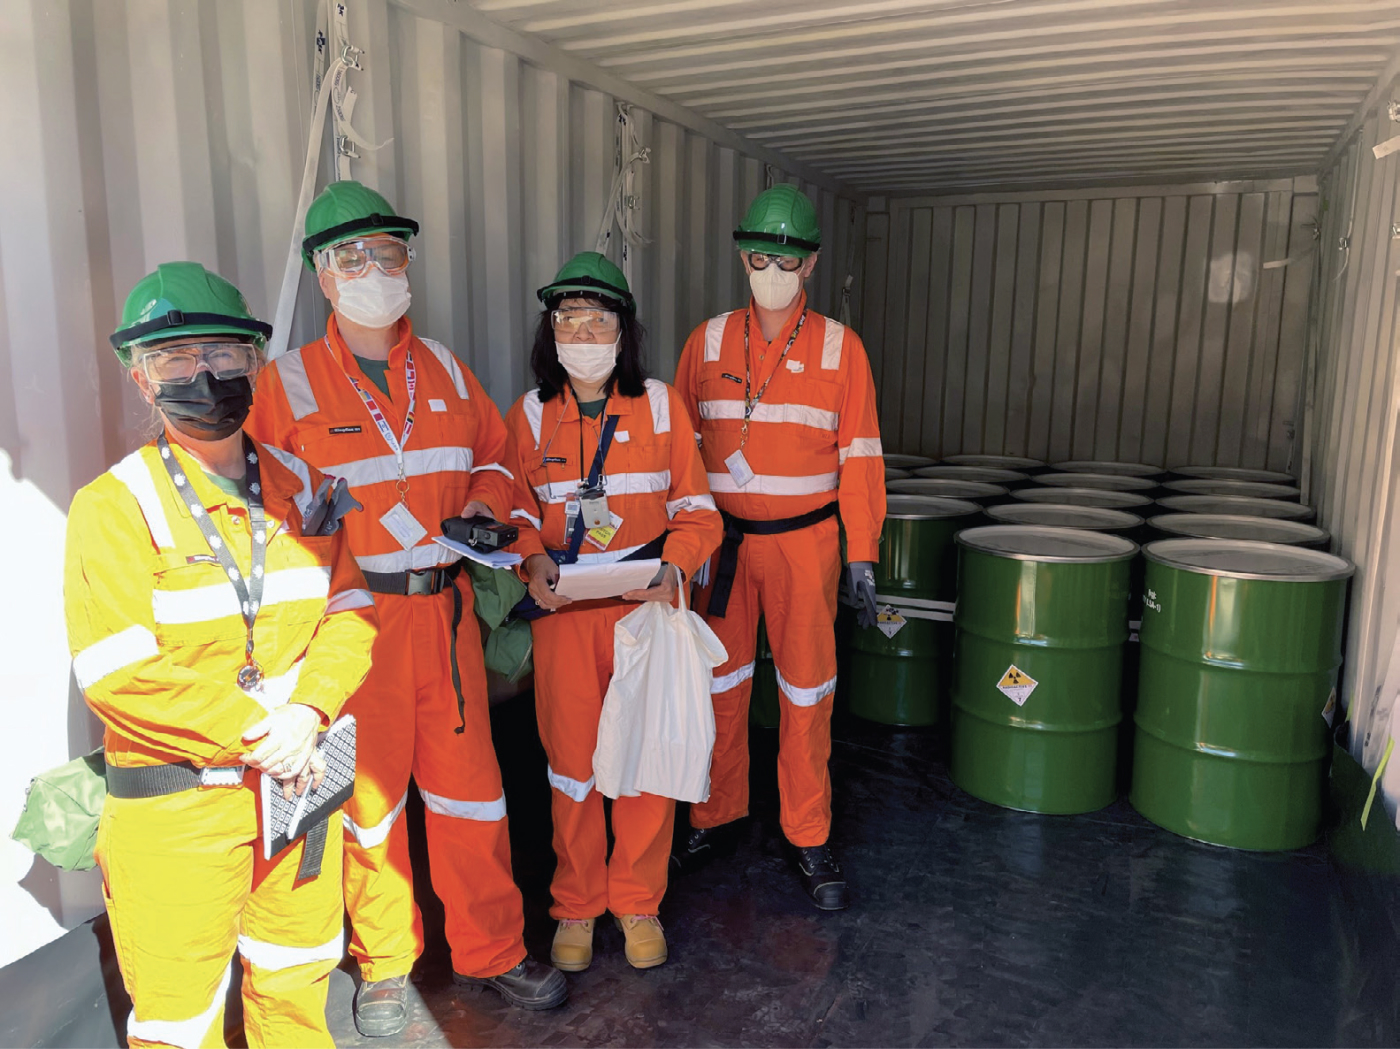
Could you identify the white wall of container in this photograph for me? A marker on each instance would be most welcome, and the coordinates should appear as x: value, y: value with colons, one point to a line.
x: 143, y: 131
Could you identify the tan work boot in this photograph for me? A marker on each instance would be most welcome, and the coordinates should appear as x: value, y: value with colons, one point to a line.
x: 573, y: 945
x: 646, y: 943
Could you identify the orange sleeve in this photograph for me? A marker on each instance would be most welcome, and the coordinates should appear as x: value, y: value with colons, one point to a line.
x: 526, y: 513
x: 688, y: 378
x: 270, y: 421
x: 861, y: 489
x: 696, y: 527
x: 492, y: 479
x: 137, y: 690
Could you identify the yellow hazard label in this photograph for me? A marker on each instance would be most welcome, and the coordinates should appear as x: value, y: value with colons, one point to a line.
x: 1017, y: 685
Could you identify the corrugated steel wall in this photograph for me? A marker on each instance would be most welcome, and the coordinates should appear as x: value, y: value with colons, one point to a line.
x: 1136, y: 324
x: 1354, y: 394
x: 141, y: 131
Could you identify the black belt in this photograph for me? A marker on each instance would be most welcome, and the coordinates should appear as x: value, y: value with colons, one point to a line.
x: 412, y: 584
x: 735, y: 528
x: 157, y: 781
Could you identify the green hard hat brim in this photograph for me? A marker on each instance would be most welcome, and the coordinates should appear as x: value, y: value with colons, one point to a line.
x: 775, y: 243
x: 177, y: 323
x: 587, y: 286
x: 369, y: 224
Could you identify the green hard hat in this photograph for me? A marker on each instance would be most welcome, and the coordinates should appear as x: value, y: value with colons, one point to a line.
x: 344, y: 209
x: 781, y: 221
x: 590, y: 273
x: 184, y: 298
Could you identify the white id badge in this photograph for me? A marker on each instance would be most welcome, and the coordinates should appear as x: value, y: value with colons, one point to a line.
x: 739, y: 468
x: 594, y: 505
x: 403, y: 526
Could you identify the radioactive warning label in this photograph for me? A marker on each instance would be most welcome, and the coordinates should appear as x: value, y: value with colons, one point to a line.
x: 1017, y: 685
x: 889, y: 622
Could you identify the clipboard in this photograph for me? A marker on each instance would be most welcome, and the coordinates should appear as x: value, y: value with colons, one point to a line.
x: 283, y: 822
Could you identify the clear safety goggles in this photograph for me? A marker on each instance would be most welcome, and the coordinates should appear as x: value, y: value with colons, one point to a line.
x: 178, y: 365
x: 788, y: 263
x: 352, y: 258
x: 576, y: 318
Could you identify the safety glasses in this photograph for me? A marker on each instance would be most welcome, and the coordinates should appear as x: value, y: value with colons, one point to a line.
x: 787, y: 263
x: 576, y: 318
x: 178, y: 365
x: 352, y: 258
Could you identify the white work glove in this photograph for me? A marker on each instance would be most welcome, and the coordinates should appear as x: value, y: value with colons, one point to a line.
x: 862, y: 584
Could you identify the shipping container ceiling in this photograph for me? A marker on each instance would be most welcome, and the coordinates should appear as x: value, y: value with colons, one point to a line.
x: 905, y: 95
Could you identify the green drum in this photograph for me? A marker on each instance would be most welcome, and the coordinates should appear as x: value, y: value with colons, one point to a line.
x: 1141, y: 505
x: 1234, y: 473
x: 995, y: 462
x: 1241, y: 645
x: 1232, y: 526
x: 908, y: 462
x: 1247, y: 489
x: 893, y: 474
x: 1239, y: 505
x: 900, y: 668
x: 1100, y: 482
x: 942, y: 488
x: 763, y: 701
x: 980, y: 474
x: 1100, y: 466
x: 1041, y: 620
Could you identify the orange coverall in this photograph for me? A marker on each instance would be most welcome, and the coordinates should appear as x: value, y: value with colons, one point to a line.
x: 158, y: 639
x: 420, y: 712
x: 656, y: 484
x: 813, y: 437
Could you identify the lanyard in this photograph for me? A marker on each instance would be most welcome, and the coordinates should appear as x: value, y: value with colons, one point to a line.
x: 750, y: 403
x: 591, y: 483
x: 249, y: 592
x: 396, y: 445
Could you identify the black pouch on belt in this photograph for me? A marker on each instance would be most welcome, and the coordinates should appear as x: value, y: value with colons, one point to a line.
x: 735, y: 528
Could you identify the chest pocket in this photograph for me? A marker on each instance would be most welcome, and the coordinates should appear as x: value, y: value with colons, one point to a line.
x: 721, y: 400
x: 193, y: 603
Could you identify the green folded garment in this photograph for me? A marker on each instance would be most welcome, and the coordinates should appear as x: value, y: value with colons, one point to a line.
x: 61, y: 810
x: 509, y: 647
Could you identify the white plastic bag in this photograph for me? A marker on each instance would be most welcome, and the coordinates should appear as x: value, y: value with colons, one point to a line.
x: 657, y: 729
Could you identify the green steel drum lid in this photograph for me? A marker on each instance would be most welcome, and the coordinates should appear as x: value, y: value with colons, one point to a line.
x: 1093, y: 518
x: 908, y: 462
x: 993, y: 462
x: 1239, y: 526
x: 1242, y: 559
x: 1106, y: 482
x: 1249, y: 489
x: 926, y: 508
x: 1043, y: 543
x: 945, y: 488
x: 1098, y: 466
x: 1236, y: 505
x: 981, y: 474
x: 1083, y: 497
x: 1235, y: 473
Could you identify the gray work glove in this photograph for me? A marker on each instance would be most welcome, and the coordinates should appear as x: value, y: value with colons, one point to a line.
x: 862, y: 585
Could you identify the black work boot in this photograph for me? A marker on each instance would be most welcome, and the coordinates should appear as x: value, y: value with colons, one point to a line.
x: 530, y: 985
x: 702, y: 845
x: 381, y: 1007
x: 821, y: 877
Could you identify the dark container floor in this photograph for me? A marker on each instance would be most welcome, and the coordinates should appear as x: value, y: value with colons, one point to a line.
x: 970, y: 925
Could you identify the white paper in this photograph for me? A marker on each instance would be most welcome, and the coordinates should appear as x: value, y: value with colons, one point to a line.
x: 498, y: 559
x: 593, y: 581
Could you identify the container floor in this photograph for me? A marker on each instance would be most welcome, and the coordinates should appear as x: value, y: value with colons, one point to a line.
x: 969, y: 925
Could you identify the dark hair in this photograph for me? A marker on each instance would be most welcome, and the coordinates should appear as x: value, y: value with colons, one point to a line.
x: 628, y: 376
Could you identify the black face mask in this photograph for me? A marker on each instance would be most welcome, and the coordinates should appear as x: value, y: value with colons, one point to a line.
x: 207, y: 409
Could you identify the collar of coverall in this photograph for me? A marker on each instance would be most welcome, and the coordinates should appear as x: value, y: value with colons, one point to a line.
x: 617, y: 405
x: 756, y: 331
x: 343, y: 356
x: 280, y: 485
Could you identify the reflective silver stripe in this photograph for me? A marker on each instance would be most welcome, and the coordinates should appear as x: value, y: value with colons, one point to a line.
x: 533, y: 408
x: 348, y: 600
x: 296, y: 384
x: 616, y: 484
x: 303, y: 472
x: 660, y: 399
x: 426, y: 555
x: 272, y: 957
x: 772, y: 484
x: 689, y: 504
x: 831, y: 344
x: 799, y: 414
x: 805, y: 697
x: 202, y: 603
x: 135, y: 473
x: 116, y: 652
x: 372, y: 837
x: 575, y: 789
x: 481, y: 811
x: 493, y: 466
x: 184, y: 1034
x: 862, y: 448
x: 526, y: 515
x: 714, y: 336
x: 449, y: 361
x: 724, y: 682
x: 417, y: 462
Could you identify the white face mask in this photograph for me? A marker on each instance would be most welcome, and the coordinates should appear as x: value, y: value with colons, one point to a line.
x: 774, y: 287
x: 588, y: 362
x: 375, y: 300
